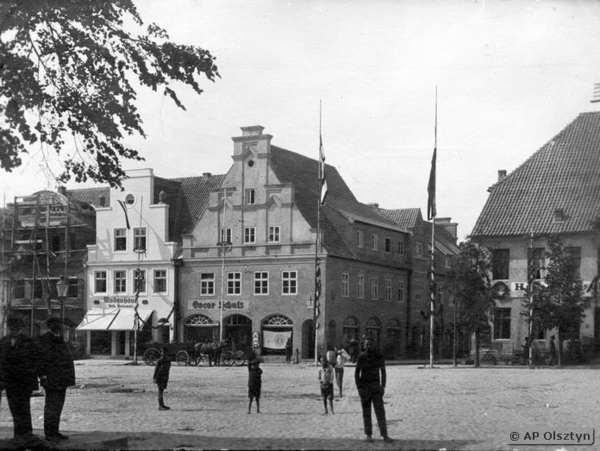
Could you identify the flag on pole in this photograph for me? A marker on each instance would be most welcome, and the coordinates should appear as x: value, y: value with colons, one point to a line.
x: 322, y: 179
x: 124, y: 207
x: 431, y: 213
x: 317, y: 289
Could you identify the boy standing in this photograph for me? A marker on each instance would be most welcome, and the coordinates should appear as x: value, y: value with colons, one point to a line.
x: 161, y: 377
x: 254, y: 384
x: 326, y: 381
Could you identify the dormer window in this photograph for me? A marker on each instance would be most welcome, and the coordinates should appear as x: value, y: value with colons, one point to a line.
x: 559, y: 215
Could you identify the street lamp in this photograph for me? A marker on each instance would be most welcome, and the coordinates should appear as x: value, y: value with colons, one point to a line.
x: 61, y: 288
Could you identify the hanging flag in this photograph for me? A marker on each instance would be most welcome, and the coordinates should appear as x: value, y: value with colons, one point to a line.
x: 322, y: 179
x: 317, y: 289
x: 124, y: 207
x: 431, y: 213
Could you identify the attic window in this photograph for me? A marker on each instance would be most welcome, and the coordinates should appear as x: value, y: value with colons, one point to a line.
x: 559, y: 215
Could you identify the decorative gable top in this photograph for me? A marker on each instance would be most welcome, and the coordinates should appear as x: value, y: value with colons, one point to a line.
x: 556, y: 190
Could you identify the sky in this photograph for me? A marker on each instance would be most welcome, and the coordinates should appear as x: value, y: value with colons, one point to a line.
x: 509, y: 76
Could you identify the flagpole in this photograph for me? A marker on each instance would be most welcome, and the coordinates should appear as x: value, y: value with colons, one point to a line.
x: 432, y: 270
x: 317, y: 241
x: 136, y: 317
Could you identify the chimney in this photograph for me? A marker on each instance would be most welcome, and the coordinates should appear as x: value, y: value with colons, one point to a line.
x: 448, y: 225
x: 206, y: 174
x: 501, y: 174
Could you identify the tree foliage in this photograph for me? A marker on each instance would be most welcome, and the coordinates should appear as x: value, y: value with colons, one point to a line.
x: 66, y: 68
x: 558, y: 301
x: 469, y: 283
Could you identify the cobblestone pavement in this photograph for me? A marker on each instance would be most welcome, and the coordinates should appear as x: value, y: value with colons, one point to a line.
x: 441, y: 408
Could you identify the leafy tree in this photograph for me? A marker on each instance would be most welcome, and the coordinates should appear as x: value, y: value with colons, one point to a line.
x: 66, y: 68
x: 559, y: 302
x: 469, y: 282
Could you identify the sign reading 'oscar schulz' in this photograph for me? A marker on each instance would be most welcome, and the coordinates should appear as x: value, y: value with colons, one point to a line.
x: 209, y: 304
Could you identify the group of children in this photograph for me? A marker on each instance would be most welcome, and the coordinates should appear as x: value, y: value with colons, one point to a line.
x: 331, y: 371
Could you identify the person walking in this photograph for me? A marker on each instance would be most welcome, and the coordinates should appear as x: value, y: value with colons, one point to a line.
x: 19, y: 357
x: 340, y: 360
x: 254, y: 383
x: 57, y: 372
x: 552, y: 350
x: 326, y: 378
x: 161, y: 377
x: 370, y: 379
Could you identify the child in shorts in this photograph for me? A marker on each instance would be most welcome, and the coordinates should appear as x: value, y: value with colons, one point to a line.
x: 326, y: 377
x: 161, y: 377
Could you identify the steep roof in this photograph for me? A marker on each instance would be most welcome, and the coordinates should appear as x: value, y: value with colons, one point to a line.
x: 302, y: 172
x: 91, y: 195
x: 564, y: 174
x: 406, y: 218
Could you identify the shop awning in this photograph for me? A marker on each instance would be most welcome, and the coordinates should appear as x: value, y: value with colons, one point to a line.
x: 112, y: 319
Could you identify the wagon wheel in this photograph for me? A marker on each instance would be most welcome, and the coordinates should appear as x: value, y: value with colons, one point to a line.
x: 151, y: 355
x: 227, y: 358
x: 239, y: 358
x: 182, y: 357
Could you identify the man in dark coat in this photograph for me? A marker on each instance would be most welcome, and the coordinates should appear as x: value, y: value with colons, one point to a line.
x: 57, y: 372
x: 19, y: 358
x: 370, y: 378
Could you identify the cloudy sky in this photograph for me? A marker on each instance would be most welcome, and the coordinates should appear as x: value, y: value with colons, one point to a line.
x: 509, y: 75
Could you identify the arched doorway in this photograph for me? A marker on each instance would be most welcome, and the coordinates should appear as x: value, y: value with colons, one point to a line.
x: 373, y: 330
x: 200, y: 328
x: 393, y: 337
x: 238, y: 332
x: 350, y: 330
x: 308, y: 340
x: 276, y: 329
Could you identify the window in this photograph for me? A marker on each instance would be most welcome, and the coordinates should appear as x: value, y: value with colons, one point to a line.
x: 249, y: 234
x: 374, y: 288
x: 160, y: 280
x: 139, y: 239
x: 73, y: 288
x: 388, y: 290
x: 502, y: 323
x: 139, y: 280
x: 401, y: 291
x: 575, y: 253
x: 207, y: 284
x: 400, y: 247
x: 536, y: 263
x: 120, y: 281
x: 448, y: 261
x: 120, y: 239
x: 261, y: 282
x: 375, y: 242
x: 249, y: 196
x: 500, y: 263
x: 388, y: 244
x: 19, y: 291
x: 359, y: 238
x: 225, y: 235
x: 274, y: 234
x: 100, y: 282
x: 360, y: 287
x: 418, y: 299
x: 345, y: 285
x: 419, y: 249
x: 289, y: 282
x: 234, y: 283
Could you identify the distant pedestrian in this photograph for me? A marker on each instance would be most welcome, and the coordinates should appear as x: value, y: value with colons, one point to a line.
x: 552, y: 350
x: 326, y: 378
x: 19, y: 356
x: 288, y: 350
x: 161, y: 377
x: 57, y: 372
x: 370, y: 378
x: 354, y: 350
x: 254, y: 384
x: 340, y: 360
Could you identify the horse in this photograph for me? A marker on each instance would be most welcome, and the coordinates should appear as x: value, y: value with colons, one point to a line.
x: 212, y: 350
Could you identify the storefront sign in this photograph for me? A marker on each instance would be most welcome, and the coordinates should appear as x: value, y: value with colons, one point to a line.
x: 198, y: 304
x: 116, y: 302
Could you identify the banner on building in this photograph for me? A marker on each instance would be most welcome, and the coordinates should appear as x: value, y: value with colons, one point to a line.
x: 275, y: 340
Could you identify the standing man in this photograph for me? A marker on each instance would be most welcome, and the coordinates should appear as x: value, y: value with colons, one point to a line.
x: 57, y: 372
x: 288, y: 350
x: 19, y: 359
x: 552, y: 350
x: 370, y: 381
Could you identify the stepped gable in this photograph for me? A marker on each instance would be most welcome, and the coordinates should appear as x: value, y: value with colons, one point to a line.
x: 556, y: 190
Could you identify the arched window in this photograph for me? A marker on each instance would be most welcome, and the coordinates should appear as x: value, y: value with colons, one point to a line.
x: 199, y: 321
x: 277, y: 321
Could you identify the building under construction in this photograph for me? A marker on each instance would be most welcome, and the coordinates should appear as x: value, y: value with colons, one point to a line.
x: 44, y: 238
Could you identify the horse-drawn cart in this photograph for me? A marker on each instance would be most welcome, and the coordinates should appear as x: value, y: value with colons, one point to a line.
x: 181, y: 353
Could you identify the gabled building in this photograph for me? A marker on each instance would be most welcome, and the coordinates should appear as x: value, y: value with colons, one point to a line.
x: 556, y: 191
x: 132, y: 269
x: 248, y: 271
x: 418, y: 299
